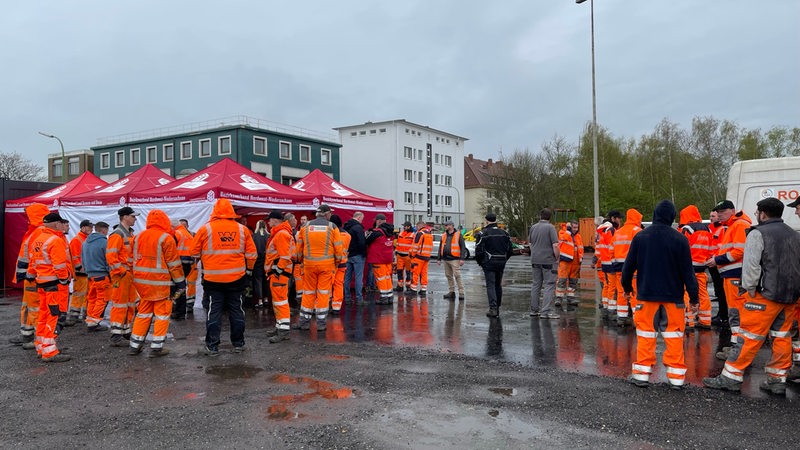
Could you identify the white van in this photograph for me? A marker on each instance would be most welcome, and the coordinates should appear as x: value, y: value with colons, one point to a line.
x: 756, y: 179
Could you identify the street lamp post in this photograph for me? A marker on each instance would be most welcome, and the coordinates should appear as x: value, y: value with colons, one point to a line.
x: 63, y: 156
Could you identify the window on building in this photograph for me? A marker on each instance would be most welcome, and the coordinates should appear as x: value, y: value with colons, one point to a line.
x: 408, y: 152
x: 448, y: 161
x: 259, y: 146
x: 382, y: 130
x: 150, y: 155
x: 287, y: 180
x: 305, y: 153
x: 436, y: 200
x: 57, y: 168
x: 408, y: 217
x: 448, y: 200
x: 105, y: 161
x: 448, y: 180
x: 436, y: 179
x: 362, y: 132
x: 285, y: 150
x: 224, y: 145
x: 407, y: 130
x: 409, y: 197
x: 204, y: 150
x: 136, y: 157
x: 373, y: 131
x: 353, y: 134
x: 168, y: 152
x: 436, y: 158
x: 419, y: 154
x: 436, y: 219
x: 74, y: 165
x: 408, y: 175
x: 186, y: 150
x: 119, y: 158
x: 419, y: 197
x: 325, y: 156
x: 489, y: 194
x: 419, y: 177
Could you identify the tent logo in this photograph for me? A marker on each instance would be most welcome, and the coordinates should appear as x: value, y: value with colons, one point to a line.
x: 122, y: 201
x: 54, y: 192
x: 340, y: 190
x: 315, y: 202
x: 252, y: 184
x: 300, y: 186
x: 210, y: 196
x: 116, y: 186
x: 194, y: 183
x: 389, y: 205
x: 163, y: 181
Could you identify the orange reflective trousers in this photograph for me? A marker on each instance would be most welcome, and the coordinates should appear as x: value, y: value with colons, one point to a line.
x: 669, y: 317
x: 97, y: 299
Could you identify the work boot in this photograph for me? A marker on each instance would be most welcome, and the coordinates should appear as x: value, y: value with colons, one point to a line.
x: 623, y: 321
x: 702, y: 326
x: 321, y: 325
x: 723, y: 383
x: 557, y: 304
x: 399, y: 288
x: 794, y: 373
x: 272, y: 332
x: 158, y: 352
x: 118, y: 341
x: 126, y: 336
x: 302, y: 324
x: 723, y: 354
x: 93, y: 328
x: 572, y: 301
x: 638, y: 383
x: 20, y: 339
x: 449, y: 296
x: 718, y: 321
x: 335, y: 312
x: 133, y: 351
x: 493, y: 312
x: 177, y: 316
x: 28, y: 345
x: 773, y: 386
x: 57, y: 358
x: 238, y: 349
x: 71, y: 321
x: 205, y: 350
x: 461, y: 296
x: 423, y: 292
x: 281, y: 335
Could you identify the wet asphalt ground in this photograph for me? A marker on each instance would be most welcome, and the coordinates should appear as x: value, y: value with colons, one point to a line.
x: 420, y: 373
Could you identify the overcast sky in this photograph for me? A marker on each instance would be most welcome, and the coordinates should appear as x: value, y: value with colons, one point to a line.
x: 506, y: 74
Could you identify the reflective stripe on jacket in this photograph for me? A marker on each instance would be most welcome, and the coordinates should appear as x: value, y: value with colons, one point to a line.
x: 405, y: 239
x: 118, y: 252
x: 156, y: 264
x: 281, y: 249
x: 319, y: 243
x: 49, y: 256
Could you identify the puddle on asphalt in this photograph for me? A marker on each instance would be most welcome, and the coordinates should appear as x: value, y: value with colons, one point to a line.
x: 234, y: 371
x: 337, y: 357
x: 508, y: 392
x: 281, y: 408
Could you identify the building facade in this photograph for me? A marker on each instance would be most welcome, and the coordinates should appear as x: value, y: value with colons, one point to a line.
x: 478, y: 193
x: 418, y: 167
x: 282, y: 153
x: 77, y: 162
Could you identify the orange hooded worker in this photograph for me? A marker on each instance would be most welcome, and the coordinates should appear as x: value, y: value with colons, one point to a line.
x: 570, y: 245
x: 120, y: 262
x: 699, y: 237
x: 279, y: 265
x: 156, y: 267
x: 29, y: 310
x: 622, y: 244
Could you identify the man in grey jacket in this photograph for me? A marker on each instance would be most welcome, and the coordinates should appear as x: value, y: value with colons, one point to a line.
x: 93, y: 258
x: 543, y: 241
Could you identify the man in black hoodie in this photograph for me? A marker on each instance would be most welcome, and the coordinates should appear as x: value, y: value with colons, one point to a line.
x: 356, y: 257
x: 662, y: 259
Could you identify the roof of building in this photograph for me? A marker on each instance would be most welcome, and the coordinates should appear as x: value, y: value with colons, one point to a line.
x: 401, y: 121
x: 478, y: 173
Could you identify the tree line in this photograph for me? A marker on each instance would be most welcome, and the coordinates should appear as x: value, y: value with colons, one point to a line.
x: 685, y: 166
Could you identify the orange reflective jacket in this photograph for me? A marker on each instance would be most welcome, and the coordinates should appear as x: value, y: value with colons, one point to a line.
x: 319, y: 243
x: 605, y: 251
x: 35, y: 213
x: 624, y: 236
x: 49, y: 256
x: 422, y: 247
x: 281, y: 249
x: 156, y: 264
x: 700, y: 239
x: 224, y: 246
x: 404, y: 241
x: 119, y: 254
x: 75, y: 250
x: 731, y: 247
x: 452, y: 246
x: 185, y: 242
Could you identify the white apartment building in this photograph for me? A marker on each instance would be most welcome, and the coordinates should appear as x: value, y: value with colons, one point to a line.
x: 420, y: 168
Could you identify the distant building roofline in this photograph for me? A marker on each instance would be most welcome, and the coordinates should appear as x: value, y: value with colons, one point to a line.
x: 400, y: 121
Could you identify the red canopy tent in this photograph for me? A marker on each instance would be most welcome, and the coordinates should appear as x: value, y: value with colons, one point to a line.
x: 193, y: 197
x: 16, y: 222
x: 344, y: 200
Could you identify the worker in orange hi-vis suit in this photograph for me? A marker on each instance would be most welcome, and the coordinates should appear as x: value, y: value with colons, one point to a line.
x: 569, y: 266
x: 622, y: 243
x: 156, y: 268
x: 278, y: 265
x: 50, y: 262
x: 605, y: 256
x: 700, y: 243
x: 729, y: 261
x: 120, y: 262
x: 80, y: 286
x: 319, y: 245
x: 93, y: 258
x: 185, y: 242
x: 421, y: 250
x: 29, y: 309
x: 405, y: 239
x: 338, y: 281
x: 380, y: 255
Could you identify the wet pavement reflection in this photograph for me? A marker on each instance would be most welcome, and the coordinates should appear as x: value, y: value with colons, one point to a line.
x: 577, y: 342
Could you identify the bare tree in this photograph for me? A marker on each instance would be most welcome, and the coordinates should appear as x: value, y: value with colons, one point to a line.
x: 14, y: 167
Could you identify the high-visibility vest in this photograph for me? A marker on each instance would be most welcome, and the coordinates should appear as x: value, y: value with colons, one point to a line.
x: 405, y: 239
x: 422, y: 246
x: 700, y: 245
x: 622, y: 241
x: 226, y: 249
x: 566, y: 245
x: 319, y: 243
x: 345, y: 247
x: 185, y: 242
x: 75, y: 246
x: 156, y: 264
x: 604, y: 247
x: 119, y: 252
x: 49, y: 256
x: 731, y: 247
x: 281, y: 249
x: 453, y: 245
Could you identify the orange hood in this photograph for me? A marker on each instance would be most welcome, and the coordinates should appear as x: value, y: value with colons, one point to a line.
x: 223, y: 210
x: 633, y: 217
x: 158, y: 219
x: 690, y: 214
x: 36, y: 213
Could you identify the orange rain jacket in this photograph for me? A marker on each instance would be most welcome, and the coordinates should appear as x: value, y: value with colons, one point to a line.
x: 624, y: 236
x: 698, y: 235
x: 156, y: 264
x: 35, y: 213
x: 224, y: 246
x: 731, y: 247
x: 280, y: 250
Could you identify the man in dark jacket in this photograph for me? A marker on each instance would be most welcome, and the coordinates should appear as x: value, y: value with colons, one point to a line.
x: 662, y: 259
x: 491, y: 253
x: 356, y: 257
x: 770, y: 286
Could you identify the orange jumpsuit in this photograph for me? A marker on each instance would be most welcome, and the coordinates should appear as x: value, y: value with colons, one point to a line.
x: 338, y: 281
x: 29, y: 309
x: 729, y: 260
x: 403, y: 251
x: 700, y: 243
x: 80, y: 286
x: 123, y: 295
x: 156, y: 266
x: 319, y: 245
x: 622, y: 244
x: 569, y: 266
x: 50, y: 262
x: 185, y: 303
x: 421, y: 250
x: 278, y: 265
x: 605, y: 254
